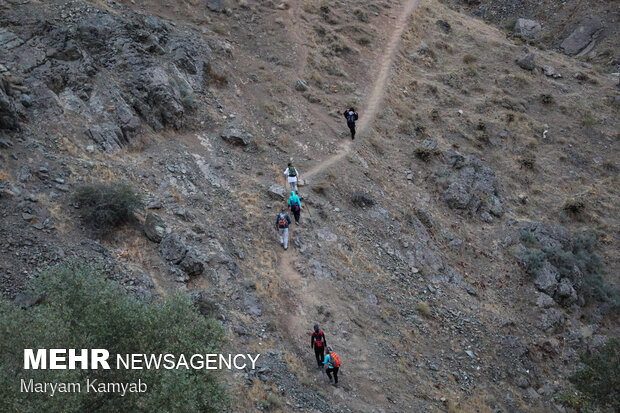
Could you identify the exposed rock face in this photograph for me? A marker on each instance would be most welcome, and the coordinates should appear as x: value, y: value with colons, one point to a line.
x: 528, y: 28
x: 583, y: 38
x: 9, y: 118
x: 473, y: 186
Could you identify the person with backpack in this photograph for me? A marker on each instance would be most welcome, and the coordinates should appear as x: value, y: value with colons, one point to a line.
x: 294, y: 204
x: 292, y: 176
x: 351, y: 116
x: 283, y: 220
x: 333, y: 365
x: 318, y: 343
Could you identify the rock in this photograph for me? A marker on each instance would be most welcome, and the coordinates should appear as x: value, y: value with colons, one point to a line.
x: 444, y: 25
x: 216, y: 5
x: 26, y: 300
x: 25, y: 100
x: 191, y: 263
x: 320, y: 271
x: 544, y: 301
x: 470, y: 354
x: 547, y: 280
x: 324, y: 234
x: 527, y: 62
x: 548, y: 70
x: 455, y: 159
x: 528, y: 28
x: 9, y: 119
x: 277, y: 191
x: 565, y: 292
x: 301, y: 85
x: 550, y: 319
x: 154, y: 227
x: 107, y: 136
x: 251, y: 302
x: 172, y: 248
x: 235, y: 136
x: 430, y: 144
x: 90, y: 148
x: 583, y: 38
x: 457, y: 195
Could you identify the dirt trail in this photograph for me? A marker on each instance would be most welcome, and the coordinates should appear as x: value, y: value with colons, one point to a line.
x: 301, y: 294
x: 375, y: 98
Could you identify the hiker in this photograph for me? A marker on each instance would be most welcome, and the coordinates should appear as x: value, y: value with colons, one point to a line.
x: 294, y: 204
x: 292, y: 175
x: 351, y: 116
x: 318, y: 343
x: 333, y: 364
x: 282, y: 222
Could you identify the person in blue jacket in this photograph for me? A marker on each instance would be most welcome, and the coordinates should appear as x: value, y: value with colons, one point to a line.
x: 294, y: 205
x: 283, y: 220
x: 333, y: 365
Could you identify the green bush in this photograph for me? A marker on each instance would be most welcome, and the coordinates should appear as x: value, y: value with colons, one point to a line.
x: 599, y: 379
x: 106, y: 206
x: 423, y: 153
x: 82, y: 310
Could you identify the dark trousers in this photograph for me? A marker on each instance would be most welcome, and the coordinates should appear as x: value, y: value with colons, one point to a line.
x: 319, y: 353
x: 296, y: 214
x: 329, y: 373
x: 351, y: 126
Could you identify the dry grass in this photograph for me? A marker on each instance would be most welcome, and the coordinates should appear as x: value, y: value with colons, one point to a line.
x: 423, y: 308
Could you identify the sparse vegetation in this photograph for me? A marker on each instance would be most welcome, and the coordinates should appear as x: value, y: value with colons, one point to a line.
x: 469, y: 59
x: 423, y: 308
x: 599, y: 379
x: 104, y: 207
x: 362, y: 200
x: 423, y: 153
x: 213, y: 77
x: 528, y: 162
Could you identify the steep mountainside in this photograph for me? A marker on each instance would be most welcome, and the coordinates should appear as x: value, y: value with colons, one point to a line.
x: 459, y: 254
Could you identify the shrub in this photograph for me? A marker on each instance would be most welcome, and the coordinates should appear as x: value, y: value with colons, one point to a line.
x: 574, y: 206
x: 423, y: 309
x: 106, y: 206
x: 528, y: 162
x: 469, y: 59
x: 362, y: 200
x: 211, y: 76
x: 546, y: 98
x: 361, y: 15
x: 82, y: 310
x: 424, y: 153
x: 599, y: 379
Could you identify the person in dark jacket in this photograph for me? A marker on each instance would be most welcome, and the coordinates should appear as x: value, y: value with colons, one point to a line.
x: 318, y: 343
x: 351, y: 116
x: 283, y: 220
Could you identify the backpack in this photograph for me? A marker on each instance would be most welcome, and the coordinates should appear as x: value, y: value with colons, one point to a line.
x: 292, y: 171
x: 295, y: 207
x: 351, y: 118
x: 282, y: 221
x: 335, y: 360
x: 318, y: 339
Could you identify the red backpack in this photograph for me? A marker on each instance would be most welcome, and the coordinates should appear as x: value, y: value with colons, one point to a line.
x: 335, y: 360
x: 319, y: 339
x: 283, y: 221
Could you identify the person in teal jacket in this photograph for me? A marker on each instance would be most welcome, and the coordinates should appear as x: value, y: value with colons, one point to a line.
x: 294, y: 205
x: 331, y: 366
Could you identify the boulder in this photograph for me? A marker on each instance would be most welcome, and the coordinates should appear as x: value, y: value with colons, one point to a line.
x: 277, y: 191
x: 547, y: 280
x: 191, y: 263
x: 544, y: 301
x: 528, y: 28
x: 216, y: 5
x: 550, y: 319
x: 583, y: 38
x: 235, y: 136
x: 527, y: 62
x: 444, y: 25
x: 172, y: 248
x: 565, y: 292
x: 154, y: 227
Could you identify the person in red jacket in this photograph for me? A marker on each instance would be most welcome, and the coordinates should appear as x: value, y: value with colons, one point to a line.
x: 318, y: 343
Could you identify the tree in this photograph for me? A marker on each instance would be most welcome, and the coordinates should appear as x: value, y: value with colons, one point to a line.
x: 82, y: 310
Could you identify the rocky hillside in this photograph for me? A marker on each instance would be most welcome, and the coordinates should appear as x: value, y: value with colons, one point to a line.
x: 459, y: 254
